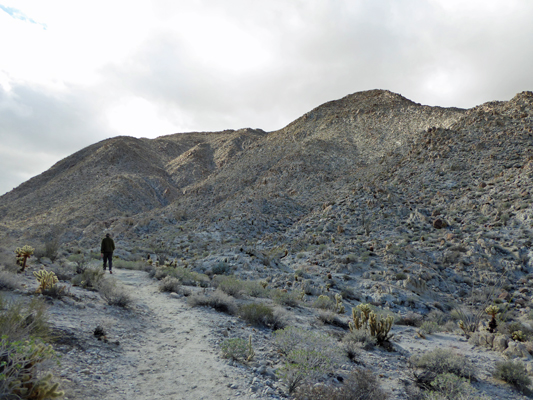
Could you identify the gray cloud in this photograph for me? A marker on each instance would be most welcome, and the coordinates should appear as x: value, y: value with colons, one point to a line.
x: 307, y: 53
x: 37, y: 129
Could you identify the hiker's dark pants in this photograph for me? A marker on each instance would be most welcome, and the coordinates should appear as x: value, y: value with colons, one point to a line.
x: 108, y: 257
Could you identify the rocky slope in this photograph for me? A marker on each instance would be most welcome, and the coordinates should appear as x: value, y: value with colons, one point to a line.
x: 417, y: 210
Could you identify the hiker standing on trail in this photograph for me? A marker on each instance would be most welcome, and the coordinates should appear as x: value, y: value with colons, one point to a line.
x: 107, y: 248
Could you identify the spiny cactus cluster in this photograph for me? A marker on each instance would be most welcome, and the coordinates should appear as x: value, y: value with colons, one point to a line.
x: 23, y: 253
x: 492, y: 311
x: 43, y: 389
x: 364, y: 318
x: 46, y: 279
x: 20, y: 365
x: 339, y: 307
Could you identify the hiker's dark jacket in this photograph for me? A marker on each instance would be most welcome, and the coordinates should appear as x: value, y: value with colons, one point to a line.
x: 107, y: 245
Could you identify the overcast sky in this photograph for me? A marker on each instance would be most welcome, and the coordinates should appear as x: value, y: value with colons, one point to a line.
x: 75, y: 72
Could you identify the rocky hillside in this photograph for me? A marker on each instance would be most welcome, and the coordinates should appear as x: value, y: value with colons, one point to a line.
x: 424, y: 212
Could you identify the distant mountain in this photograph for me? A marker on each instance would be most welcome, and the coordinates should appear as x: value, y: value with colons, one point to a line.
x: 253, y: 183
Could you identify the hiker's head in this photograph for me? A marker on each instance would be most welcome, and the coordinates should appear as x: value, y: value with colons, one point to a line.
x: 107, y: 235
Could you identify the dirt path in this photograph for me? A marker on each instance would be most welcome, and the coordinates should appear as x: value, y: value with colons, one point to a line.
x: 166, y: 350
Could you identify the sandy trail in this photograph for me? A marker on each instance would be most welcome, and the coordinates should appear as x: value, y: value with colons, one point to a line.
x: 168, y: 355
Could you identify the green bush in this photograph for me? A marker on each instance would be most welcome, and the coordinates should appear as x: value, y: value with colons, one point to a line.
x: 429, y: 327
x: 237, y: 349
x: 132, y: 265
x: 170, y: 284
x: 8, y: 280
x: 257, y: 314
x: 221, y: 268
x: 218, y: 300
x: 442, y: 361
x: 291, y: 299
x: 359, y: 385
x: 21, y: 320
x: 360, y: 337
x: 24, y: 355
x: 89, y: 277
x: 514, y: 373
x: 451, y: 387
x: 230, y: 285
x: 185, y: 275
x: 114, y: 294
x: 324, y: 302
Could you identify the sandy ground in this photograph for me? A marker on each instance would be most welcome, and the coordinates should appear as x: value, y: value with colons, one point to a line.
x: 167, y: 350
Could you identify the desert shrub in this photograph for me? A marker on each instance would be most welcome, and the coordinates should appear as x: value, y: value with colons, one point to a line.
x: 221, y: 268
x: 237, y: 349
x: 303, y: 365
x: 514, y: 373
x: 218, y: 300
x: 257, y: 314
x: 89, y: 277
x: 9, y: 263
x: 359, y: 385
x: 8, y: 280
x: 185, y: 275
x: 441, y: 361
x: 410, y: 319
x: 291, y: 299
x: 114, y: 294
x: 256, y: 289
x: 360, y: 338
x: 308, y: 355
x: 63, y: 272
x: 324, y: 302
x: 169, y: 284
x: 125, y: 264
x: 430, y: 327
x: 451, y: 387
x: 76, y: 258
x: 56, y: 291
x: 230, y: 285
x: 332, y: 318
x: 21, y: 320
x: 293, y: 338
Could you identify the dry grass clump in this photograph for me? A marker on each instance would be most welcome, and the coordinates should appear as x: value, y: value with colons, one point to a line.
x: 170, y: 284
x: 514, y: 373
x: 230, y: 285
x: 24, y: 355
x: 360, y: 385
x: 88, y: 277
x: 441, y: 361
x: 114, y: 294
x: 262, y: 315
x: 8, y: 280
x: 290, y: 299
x: 308, y: 355
x: 21, y: 320
x: 359, y: 338
x: 332, y: 318
x: 218, y: 300
x: 185, y: 275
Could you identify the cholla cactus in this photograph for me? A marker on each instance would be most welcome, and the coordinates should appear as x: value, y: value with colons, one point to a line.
x: 518, y: 336
x: 339, y: 307
x: 250, y: 350
x: 23, y: 253
x: 380, y: 327
x: 364, y: 318
x: 492, y: 311
x: 47, y: 279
